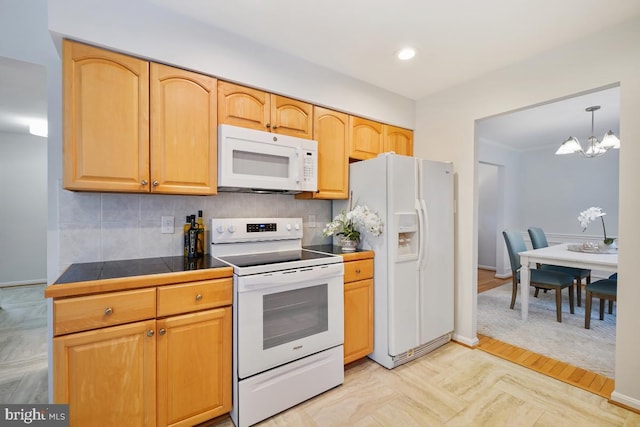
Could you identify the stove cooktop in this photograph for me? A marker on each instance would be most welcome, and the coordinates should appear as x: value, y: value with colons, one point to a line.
x: 278, y: 260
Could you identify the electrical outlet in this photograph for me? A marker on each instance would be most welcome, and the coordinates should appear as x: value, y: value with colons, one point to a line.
x: 167, y: 225
x: 311, y: 221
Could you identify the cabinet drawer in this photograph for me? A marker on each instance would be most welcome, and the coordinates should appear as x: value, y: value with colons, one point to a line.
x: 358, y: 270
x: 97, y: 311
x: 192, y: 296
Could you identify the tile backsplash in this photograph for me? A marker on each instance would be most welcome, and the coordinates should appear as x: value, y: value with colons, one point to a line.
x: 112, y: 226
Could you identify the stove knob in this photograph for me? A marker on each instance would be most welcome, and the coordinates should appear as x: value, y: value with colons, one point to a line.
x: 232, y: 229
x: 288, y: 227
x: 297, y: 226
x: 220, y: 229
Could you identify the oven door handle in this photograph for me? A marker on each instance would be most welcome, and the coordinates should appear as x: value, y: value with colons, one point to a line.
x: 301, y: 278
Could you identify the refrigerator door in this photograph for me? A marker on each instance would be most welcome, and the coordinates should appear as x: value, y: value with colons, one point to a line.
x: 403, y: 274
x: 436, y: 271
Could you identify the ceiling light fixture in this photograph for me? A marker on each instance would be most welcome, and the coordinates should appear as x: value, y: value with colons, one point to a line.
x: 595, y: 148
x: 39, y: 128
x: 406, y: 53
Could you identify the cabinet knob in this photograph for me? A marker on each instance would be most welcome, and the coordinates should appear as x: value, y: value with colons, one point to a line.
x: 198, y: 297
x: 268, y: 125
x: 156, y: 183
x: 162, y: 331
x: 274, y: 127
x: 150, y: 333
x: 357, y: 271
x: 108, y: 311
x: 144, y: 182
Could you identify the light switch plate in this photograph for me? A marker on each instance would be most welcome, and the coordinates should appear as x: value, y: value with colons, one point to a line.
x: 167, y: 226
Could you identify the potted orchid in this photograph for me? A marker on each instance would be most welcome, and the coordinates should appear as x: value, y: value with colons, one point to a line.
x: 350, y: 224
x: 592, y: 214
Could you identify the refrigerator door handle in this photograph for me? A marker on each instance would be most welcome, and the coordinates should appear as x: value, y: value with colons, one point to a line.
x: 424, y: 234
x: 421, y: 226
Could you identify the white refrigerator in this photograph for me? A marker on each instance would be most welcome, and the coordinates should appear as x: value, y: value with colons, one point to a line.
x: 413, y: 273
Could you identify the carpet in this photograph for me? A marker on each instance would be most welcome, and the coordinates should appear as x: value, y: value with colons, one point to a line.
x: 591, y: 349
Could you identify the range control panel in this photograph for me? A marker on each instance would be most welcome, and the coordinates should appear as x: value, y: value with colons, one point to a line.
x: 236, y: 230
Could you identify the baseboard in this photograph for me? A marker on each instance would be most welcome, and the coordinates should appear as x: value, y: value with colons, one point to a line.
x: 486, y: 267
x: 469, y: 342
x: 625, y: 401
x: 23, y: 283
x: 503, y: 276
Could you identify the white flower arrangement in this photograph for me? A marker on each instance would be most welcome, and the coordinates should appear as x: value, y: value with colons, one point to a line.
x: 590, y: 215
x: 350, y: 224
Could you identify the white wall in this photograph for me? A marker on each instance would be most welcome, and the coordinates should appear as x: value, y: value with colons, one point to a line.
x: 448, y: 118
x: 23, y: 216
x: 488, y: 207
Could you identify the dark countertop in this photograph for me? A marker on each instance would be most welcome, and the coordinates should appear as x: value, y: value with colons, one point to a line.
x: 337, y: 250
x: 90, y: 271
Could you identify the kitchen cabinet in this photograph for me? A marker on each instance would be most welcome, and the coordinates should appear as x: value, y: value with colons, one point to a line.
x: 156, y: 355
x: 331, y: 130
x: 398, y: 140
x: 358, y: 305
x: 252, y: 108
x: 135, y: 126
x: 367, y: 139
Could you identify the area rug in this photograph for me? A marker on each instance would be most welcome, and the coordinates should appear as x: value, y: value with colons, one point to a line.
x: 591, y: 349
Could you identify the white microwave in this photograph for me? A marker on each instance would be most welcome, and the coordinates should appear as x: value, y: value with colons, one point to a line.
x: 256, y: 161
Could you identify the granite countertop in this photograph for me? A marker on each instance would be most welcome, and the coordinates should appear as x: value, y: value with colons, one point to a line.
x: 89, y: 271
x: 337, y: 250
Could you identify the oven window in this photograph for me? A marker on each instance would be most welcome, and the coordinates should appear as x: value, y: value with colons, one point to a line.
x: 291, y: 315
x: 260, y: 164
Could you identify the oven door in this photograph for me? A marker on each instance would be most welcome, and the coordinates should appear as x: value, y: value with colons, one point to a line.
x: 285, y: 315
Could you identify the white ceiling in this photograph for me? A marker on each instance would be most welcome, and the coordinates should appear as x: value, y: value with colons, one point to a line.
x: 457, y: 40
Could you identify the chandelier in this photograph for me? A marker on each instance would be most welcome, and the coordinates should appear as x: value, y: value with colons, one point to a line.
x: 595, y: 148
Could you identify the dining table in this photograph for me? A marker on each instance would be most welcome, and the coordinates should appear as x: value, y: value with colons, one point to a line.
x: 566, y: 254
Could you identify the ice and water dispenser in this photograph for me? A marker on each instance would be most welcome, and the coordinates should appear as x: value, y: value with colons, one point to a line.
x: 408, y: 239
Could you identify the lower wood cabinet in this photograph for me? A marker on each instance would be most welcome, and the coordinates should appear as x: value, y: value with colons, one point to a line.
x: 167, y: 370
x: 194, y: 372
x: 358, y: 307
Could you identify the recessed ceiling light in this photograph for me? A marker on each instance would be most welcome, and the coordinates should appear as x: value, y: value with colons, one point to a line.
x: 406, y: 53
x: 38, y: 128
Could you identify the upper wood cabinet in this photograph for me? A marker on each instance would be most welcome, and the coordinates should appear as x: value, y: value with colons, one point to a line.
x: 108, y: 98
x: 184, y: 150
x: 367, y: 139
x: 252, y: 108
x: 331, y: 130
x: 398, y: 140
x: 106, y: 120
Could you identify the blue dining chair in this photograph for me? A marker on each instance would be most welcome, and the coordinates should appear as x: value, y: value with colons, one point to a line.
x: 605, y: 289
x: 543, y: 279
x: 539, y: 240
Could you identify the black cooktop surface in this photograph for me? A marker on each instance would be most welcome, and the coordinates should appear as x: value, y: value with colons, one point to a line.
x: 267, y: 258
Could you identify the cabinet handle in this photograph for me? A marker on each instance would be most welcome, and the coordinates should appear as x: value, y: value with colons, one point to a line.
x: 144, y: 182
x: 108, y: 311
x: 198, y: 297
x: 156, y: 183
x: 162, y: 331
x: 268, y: 125
x: 150, y: 333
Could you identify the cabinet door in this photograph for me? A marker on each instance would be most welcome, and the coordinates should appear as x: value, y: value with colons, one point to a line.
x: 366, y: 139
x: 243, y: 106
x: 194, y: 367
x: 291, y: 117
x: 106, y: 120
x: 331, y: 130
x: 398, y: 140
x: 107, y: 376
x: 183, y: 131
x: 358, y: 319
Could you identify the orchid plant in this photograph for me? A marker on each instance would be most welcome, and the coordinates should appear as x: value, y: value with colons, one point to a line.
x: 590, y: 215
x: 350, y: 224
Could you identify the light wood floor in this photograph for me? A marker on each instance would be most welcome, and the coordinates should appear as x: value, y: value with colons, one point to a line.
x: 453, y: 385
